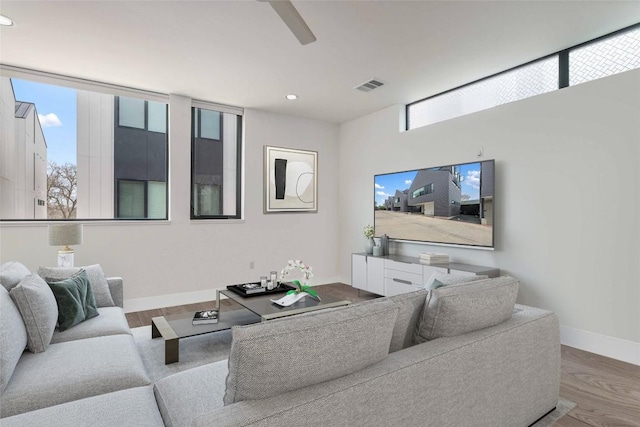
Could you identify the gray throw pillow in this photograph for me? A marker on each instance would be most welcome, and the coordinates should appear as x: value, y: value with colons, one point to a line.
x: 75, y: 299
x: 11, y: 273
x: 13, y: 337
x: 96, y: 278
x: 458, y: 309
x: 438, y: 280
x: 38, y: 309
x: 271, y: 358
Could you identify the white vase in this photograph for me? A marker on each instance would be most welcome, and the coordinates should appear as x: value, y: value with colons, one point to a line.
x: 368, y: 247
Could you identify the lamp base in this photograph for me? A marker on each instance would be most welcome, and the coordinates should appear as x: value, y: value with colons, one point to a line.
x: 65, y: 258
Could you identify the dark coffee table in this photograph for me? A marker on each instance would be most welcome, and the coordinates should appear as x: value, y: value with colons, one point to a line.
x: 255, y: 309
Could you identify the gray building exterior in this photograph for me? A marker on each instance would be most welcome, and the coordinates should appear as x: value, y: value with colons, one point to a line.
x: 436, y: 192
x: 400, y: 201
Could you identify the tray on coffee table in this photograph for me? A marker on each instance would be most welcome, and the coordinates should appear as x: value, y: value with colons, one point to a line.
x: 280, y: 289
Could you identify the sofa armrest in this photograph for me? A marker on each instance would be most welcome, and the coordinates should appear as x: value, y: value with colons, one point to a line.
x: 116, y: 287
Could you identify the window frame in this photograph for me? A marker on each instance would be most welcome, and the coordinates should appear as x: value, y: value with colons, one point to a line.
x: 239, y: 113
x: 79, y: 84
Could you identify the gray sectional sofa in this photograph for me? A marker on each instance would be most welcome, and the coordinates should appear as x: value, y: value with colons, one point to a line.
x: 454, y: 356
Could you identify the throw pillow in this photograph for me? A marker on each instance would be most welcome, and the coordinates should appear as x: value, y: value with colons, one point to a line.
x: 13, y: 337
x: 11, y: 273
x: 39, y: 311
x: 271, y: 358
x: 438, y: 280
x: 75, y: 299
x: 456, y: 310
x: 96, y: 278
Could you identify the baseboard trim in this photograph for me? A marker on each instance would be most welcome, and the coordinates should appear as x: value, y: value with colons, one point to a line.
x: 182, y: 298
x: 615, y: 348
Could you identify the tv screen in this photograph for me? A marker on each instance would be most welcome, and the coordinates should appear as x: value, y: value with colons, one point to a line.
x: 451, y: 205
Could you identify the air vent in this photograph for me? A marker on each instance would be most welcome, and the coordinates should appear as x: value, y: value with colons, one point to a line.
x: 370, y: 85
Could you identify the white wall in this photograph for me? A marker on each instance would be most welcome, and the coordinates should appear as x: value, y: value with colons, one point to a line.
x: 194, y: 257
x: 567, y: 201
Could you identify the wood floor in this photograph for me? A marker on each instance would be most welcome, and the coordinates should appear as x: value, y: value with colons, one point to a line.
x: 607, y: 391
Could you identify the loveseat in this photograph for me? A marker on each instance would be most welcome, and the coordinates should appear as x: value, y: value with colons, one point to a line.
x: 90, y: 374
x: 461, y: 355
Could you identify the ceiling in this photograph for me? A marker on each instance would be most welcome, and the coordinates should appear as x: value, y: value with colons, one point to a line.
x: 240, y: 53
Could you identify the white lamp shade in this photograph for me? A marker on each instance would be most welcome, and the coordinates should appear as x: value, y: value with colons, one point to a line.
x: 65, y: 234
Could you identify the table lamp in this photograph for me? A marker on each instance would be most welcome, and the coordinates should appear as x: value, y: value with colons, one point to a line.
x: 65, y: 235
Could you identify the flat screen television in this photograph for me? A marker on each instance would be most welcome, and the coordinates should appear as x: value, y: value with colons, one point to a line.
x: 446, y: 205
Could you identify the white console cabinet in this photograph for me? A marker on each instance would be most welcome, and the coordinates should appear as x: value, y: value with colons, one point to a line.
x: 395, y: 274
x: 367, y: 273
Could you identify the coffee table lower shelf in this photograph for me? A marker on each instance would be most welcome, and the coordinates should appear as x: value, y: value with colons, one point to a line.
x: 177, y: 326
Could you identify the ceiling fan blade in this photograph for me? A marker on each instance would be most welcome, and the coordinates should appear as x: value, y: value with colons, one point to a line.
x: 291, y: 17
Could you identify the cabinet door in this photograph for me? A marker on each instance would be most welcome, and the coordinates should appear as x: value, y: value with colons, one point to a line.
x: 375, y: 275
x: 359, y: 271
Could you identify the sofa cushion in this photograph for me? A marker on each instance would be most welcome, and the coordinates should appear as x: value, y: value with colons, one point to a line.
x: 73, y: 370
x: 132, y: 407
x: 38, y: 309
x: 188, y: 394
x: 75, y: 299
x: 458, y: 309
x: 438, y: 280
x: 409, y: 311
x: 273, y: 357
x: 11, y: 273
x: 96, y: 278
x: 13, y: 337
x: 111, y: 321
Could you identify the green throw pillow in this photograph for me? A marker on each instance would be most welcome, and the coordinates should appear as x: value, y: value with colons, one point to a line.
x: 76, y: 302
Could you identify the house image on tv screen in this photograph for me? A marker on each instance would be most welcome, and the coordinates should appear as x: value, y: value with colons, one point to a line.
x: 438, y: 192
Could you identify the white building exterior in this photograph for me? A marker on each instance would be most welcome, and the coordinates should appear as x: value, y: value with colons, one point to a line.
x: 95, y: 155
x: 23, y: 158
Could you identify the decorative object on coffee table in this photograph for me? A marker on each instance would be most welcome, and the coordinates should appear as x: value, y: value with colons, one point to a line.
x: 205, y: 317
x: 369, y: 233
x: 302, y: 288
x: 238, y: 289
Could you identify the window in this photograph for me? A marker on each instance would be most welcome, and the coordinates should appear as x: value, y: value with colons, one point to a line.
x: 520, y: 83
x: 427, y: 189
x: 608, y: 55
x: 140, y: 156
x: 605, y: 57
x: 216, y: 149
x: 87, y: 154
x: 141, y: 199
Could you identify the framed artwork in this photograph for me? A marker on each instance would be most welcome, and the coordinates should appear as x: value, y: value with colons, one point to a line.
x: 290, y: 180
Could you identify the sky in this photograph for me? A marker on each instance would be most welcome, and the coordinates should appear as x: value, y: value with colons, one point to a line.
x: 56, y: 106
x: 386, y: 185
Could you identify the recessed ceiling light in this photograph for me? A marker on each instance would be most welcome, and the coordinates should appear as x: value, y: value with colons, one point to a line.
x: 291, y: 97
x: 6, y: 21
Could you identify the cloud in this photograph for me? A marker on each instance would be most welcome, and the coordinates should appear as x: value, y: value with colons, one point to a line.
x: 407, y: 181
x: 379, y: 186
x: 473, y: 179
x: 383, y: 194
x: 49, y: 120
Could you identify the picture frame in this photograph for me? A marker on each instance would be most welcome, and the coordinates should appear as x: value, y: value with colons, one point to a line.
x: 290, y: 180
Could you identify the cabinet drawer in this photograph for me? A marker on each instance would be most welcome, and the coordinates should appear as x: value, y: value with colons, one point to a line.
x: 401, y: 276
x: 393, y: 287
x: 403, y: 266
